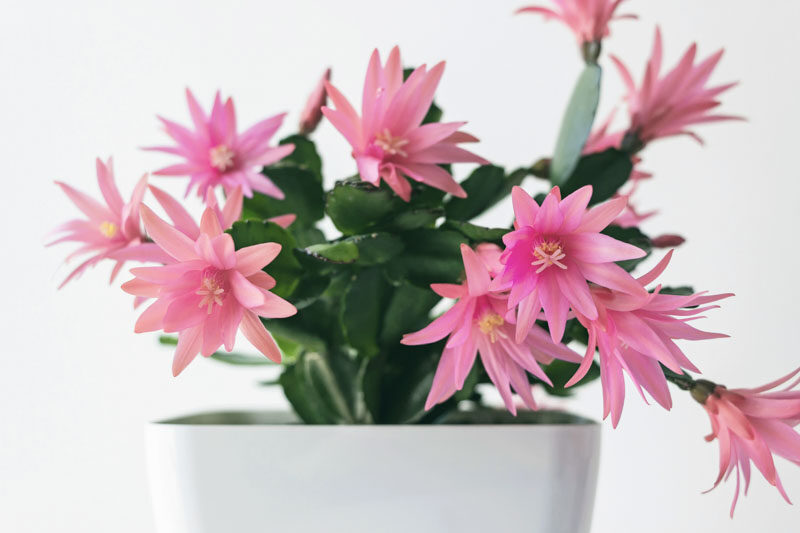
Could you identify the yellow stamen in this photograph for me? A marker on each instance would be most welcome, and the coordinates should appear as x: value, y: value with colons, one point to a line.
x: 489, y: 323
x: 108, y: 229
x: 391, y: 145
x: 548, y: 253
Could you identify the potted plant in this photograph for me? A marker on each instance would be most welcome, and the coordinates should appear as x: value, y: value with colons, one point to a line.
x: 390, y: 329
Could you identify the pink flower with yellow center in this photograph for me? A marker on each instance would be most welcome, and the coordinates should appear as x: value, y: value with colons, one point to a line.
x: 588, y: 19
x: 111, y: 230
x: 636, y: 334
x: 389, y: 141
x: 752, y: 425
x: 216, y: 154
x: 209, y: 291
x: 669, y: 104
x: 552, y: 252
x: 480, y: 322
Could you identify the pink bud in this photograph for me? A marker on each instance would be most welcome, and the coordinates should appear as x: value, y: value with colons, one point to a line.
x: 667, y: 241
x: 312, y: 113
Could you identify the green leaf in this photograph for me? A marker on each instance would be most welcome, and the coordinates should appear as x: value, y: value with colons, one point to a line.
x: 303, y: 197
x: 560, y: 373
x: 398, y: 381
x: 284, y: 268
x: 605, y: 171
x: 375, y: 248
x: 430, y: 256
x: 684, y: 290
x: 355, y: 206
x: 336, y: 252
x: 489, y: 416
x: 576, y: 125
x: 304, y: 156
x: 362, y: 311
x: 408, y: 310
x: 631, y: 236
x: 486, y: 186
x: 414, y: 219
x: 475, y: 233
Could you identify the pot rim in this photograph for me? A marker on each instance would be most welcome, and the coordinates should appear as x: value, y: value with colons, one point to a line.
x: 265, y: 418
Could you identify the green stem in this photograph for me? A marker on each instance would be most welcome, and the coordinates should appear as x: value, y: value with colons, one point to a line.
x: 682, y: 381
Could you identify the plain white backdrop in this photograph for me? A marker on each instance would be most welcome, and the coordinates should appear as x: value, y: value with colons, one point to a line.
x: 84, y: 79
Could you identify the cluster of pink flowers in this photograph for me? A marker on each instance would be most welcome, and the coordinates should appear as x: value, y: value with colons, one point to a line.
x: 557, y: 267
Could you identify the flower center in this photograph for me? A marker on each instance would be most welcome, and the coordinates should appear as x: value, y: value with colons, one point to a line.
x: 108, y: 229
x: 211, y: 291
x: 548, y: 253
x: 221, y: 157
x: 489, y: 323
x: 391, y: 145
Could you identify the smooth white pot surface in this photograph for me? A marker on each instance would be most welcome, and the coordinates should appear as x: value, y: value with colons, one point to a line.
x: 254, y: 472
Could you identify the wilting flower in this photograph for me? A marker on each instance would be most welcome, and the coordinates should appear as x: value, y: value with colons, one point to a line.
x: 481, y: 322
x: 670, y: 104
x: 209, y: 291
x: 389, y: 140
x: 752, y: 425
x: 554, y: 250
x: 216, y: 154
x: 588, y: 19
x: 312, y: 112
x: 636, y: 334
x: 110, y: 231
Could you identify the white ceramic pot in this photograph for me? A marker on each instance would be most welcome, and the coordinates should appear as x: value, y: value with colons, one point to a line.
x: 258, y: 472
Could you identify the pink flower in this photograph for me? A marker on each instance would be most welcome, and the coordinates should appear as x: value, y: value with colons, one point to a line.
x: 752, y: 425
x: 216, y: 154
x: 588, y: 19
x: 209, y: 291
x: 554, y: 250
x: 389, y: 140
x: 227, y: 215
x: 668, y: 105
x: 110, y: 231
x: 312, y: 112
x: 636, y: 334
x: 481, y: 322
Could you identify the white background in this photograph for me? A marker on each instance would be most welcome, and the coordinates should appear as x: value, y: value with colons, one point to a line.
x: 84, y: 79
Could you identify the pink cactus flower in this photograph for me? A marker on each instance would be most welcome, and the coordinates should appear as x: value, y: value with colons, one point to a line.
x: 554, y: 250
x: 209, y: 291
x: 751, y: 425
x: 669, y: 105
x: 216, y: 154
x: 588, y: 19
x: 312, y: 112
x: 389, y: 140
x: 631, y: 217
x: 110, y: 231
x: 636, y: 334
x: 667, y: 240
x: 481, y: 322
x: 227, y: 215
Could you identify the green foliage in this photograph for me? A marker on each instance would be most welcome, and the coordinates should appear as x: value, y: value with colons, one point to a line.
x: 486, y: 186
x: 360, y: 292
x: 285, y: 268
x: 299, y: 177
x: 605, y: 171
x: 477, y: 234
x: 576, y: 125
x: 430, y: 256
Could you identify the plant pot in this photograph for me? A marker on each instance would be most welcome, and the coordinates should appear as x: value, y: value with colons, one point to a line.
x: 251, y: 472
